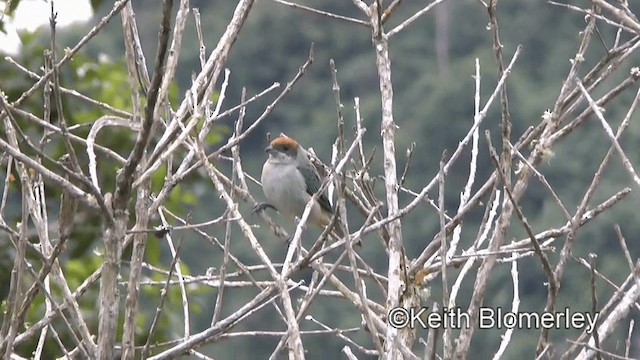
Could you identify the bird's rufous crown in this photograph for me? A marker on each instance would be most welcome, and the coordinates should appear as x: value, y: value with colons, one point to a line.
x: 284, y: 141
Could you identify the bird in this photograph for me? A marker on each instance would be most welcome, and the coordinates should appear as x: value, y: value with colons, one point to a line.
x: 289, y: 180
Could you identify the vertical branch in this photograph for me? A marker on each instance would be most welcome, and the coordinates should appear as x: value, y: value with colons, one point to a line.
x: 473, y: 163
x: 114, y: 235
x: 10, y: 323
x: 339, y: 106
x: 628, y: 341
x: 163, y: 297
x: 552, y: 124
x: 594, y: 300
x: 515, y: 305
x: 68, y: 207
x: 58, y: 96
x: 430, y: 345
x: 237, y: 173
x: 108, y: 315
x: 137, y: 256
x: 480, y: 285
x: 446, y: 336
x: 174, y: 51
x: 17, y: 273
x: 174, y: 250
x: 397, y: 272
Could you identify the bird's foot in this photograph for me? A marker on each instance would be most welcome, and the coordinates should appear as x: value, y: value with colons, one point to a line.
x: 261, y: 207
x: 289, y: 239
x: 357, y: 243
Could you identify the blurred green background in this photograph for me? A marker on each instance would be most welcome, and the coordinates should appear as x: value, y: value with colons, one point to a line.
x: 432, y: 69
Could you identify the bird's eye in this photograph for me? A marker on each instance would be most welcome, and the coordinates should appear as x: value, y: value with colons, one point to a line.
x: 285, y: 148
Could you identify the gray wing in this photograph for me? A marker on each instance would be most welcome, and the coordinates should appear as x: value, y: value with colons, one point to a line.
x: 313, y: 184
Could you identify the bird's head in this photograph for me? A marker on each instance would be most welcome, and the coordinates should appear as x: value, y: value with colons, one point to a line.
x: 283, y: 150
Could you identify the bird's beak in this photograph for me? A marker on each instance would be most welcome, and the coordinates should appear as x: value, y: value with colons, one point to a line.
x: 268, y: 149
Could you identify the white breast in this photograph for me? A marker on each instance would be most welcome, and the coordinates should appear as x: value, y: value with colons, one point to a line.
x: 284, y: 188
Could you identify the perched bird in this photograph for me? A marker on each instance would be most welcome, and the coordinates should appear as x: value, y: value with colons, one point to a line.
x: 289, y: 179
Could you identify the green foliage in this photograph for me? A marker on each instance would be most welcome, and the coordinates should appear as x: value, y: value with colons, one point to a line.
x: 8, y: 12
x: 104, y: 79
x: 107, y: 81
x: 95, y: 4
x: 76, y: 269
